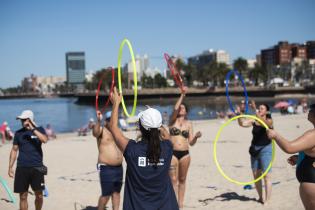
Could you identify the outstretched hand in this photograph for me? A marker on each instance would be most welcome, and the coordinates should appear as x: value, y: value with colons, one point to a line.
x: 293, y: 160
x: 198, y: 134
x: 238, y: 110
x: 99, y: 116
x: 272, y: 134
x: 116, y: 97
x: 184, y: 90
x: 253, y: 105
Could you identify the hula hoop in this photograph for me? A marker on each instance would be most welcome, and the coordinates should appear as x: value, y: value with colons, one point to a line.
x: 177, y: 78
x: 135, y: 78
x: 7, y: 189
x: 227, y: 79
x: 215, y: 151
x: 110, y: 93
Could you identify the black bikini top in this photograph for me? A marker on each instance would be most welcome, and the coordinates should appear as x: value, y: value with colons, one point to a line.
x: 175, y: 132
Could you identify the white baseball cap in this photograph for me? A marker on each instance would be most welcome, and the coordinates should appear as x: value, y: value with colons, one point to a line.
x: 27, y: 114
x: 150, y: 118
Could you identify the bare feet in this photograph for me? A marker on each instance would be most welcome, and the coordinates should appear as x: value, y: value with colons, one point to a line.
x: 261, y: 200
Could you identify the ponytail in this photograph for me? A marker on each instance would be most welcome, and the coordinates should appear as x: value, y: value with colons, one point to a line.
x: 152, y: 137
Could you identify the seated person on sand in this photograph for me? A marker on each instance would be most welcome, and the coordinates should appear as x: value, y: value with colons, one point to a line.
x: 50, y: 132
x: 86, y: 128
x: 6, y: 131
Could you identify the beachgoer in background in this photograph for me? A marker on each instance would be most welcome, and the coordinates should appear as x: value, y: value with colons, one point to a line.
x: 165, y: 118
x: 299, y: 109
x: 304, y: 105
x: 6, y: 132
x: 86, y: 128
x: 50, y: 132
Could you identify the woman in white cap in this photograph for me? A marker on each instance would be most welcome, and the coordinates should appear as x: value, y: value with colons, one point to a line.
x: 147, y: 185
x: 181, y: 131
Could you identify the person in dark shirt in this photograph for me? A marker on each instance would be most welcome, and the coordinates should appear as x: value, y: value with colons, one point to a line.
x: 27, y: 143
x: 261, y: 148
x: 147, y: 184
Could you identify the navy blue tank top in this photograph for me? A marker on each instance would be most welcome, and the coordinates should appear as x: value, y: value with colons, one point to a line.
x: 148, y: 186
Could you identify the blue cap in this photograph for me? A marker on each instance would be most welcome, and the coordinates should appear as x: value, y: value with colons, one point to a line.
x: 108, y: 115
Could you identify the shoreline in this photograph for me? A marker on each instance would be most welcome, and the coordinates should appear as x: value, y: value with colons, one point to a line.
x: 87, y: 97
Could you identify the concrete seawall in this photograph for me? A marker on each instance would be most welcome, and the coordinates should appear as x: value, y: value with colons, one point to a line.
x: 171, y: 93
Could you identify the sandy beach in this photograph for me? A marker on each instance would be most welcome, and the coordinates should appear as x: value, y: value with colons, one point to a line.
x: 73, y: 182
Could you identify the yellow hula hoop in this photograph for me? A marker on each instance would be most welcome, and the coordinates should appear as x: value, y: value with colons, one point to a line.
x: 135, y: 79
x: 215, y: 151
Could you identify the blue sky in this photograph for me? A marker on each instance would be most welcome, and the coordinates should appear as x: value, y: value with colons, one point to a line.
x: 35, y: 35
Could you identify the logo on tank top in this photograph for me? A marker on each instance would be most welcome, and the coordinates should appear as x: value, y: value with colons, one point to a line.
x: 142, y: 161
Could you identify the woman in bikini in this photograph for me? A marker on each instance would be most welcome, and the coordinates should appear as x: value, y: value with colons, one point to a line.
x: 181, y: 134
x: 305, y: 172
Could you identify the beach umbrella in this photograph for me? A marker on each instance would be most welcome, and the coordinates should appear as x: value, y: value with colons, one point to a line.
x: 292, y: 101
x: 281, y: 104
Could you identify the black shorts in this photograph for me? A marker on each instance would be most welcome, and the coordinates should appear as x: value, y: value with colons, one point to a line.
x: 26, y: 176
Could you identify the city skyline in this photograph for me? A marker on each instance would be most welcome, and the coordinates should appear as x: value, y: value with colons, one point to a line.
x: 35, y: 35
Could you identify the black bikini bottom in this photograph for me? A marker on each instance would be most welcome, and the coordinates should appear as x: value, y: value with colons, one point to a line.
x: 180, y: 154
x: 306, y: 170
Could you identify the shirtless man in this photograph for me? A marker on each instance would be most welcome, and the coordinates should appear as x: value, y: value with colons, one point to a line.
x: 109, y: 163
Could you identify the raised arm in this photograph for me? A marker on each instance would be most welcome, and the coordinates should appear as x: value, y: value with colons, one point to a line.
x: 97, y: 127
x: 302, y: 143
x: 165, y: 135
x: 119, y: 138
x: 177, y: 105
x: 41, y: 136
x: 242, y: 121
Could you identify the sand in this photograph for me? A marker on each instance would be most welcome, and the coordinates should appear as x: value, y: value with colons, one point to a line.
x: 73, y: 182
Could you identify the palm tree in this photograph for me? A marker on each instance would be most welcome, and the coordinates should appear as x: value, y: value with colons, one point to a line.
x: 240, y: 64
x: 258, y: 74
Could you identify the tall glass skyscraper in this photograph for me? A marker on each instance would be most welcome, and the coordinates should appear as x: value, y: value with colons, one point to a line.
x: 75, y: 67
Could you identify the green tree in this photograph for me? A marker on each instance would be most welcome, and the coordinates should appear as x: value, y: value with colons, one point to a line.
x: 240, y: 64
x: 190, y: 74
x: 159, y: 81
x: 221, y: 71
x: 147, y: 81
x: 258, y: 74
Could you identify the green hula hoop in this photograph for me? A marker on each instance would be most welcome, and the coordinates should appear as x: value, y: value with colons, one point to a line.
x: 215, y: 151
x: 135, y: 79
x: 9, y: 192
